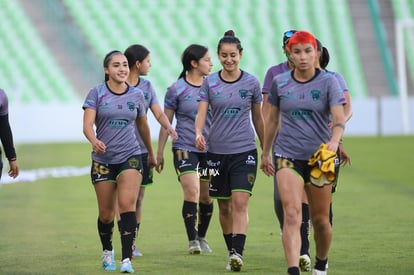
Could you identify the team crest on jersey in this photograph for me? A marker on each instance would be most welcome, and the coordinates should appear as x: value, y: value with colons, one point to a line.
x: 133, y: 162
x: 146, y: 96
x: 131, y: 106
x: 316, y: 95
x: 243, y: 94
x: 251, y: 178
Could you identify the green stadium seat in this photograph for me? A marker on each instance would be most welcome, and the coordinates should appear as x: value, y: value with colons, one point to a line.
x: 167, y: 27
x: 31, y: 71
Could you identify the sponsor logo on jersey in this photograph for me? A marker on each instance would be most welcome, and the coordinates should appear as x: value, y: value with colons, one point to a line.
x: 301, y: 114
x: 231, y: 112
x: 117, y: 123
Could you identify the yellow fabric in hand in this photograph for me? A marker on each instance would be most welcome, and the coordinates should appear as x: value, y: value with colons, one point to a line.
x: 323, y: 162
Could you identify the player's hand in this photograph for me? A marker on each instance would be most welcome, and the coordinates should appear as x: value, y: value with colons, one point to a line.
x: 267, y: 165
x: 14, y: 169
x: 160, y: 164
x: 172, y: 133
x: 99, y: 147
x: 200, y: 143
x: 152, y: 162
x: 343, y: 155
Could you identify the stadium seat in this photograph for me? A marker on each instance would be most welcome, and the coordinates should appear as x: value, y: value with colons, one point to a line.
x: 31, y: 71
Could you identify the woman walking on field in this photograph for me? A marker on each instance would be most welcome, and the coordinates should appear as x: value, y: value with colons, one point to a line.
x: 302, y: 103
x: 116, y: 109
x: 189, y: 162
x: 234, y: 97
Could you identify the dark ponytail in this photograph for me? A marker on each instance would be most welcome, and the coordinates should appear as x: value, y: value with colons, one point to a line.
x: 193, y: 52
x: 136, y: 53
x: 229, y: 37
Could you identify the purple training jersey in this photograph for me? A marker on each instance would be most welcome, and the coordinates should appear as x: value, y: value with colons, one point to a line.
x: 305, y: 111
x: 271, y: 73
x: 115, y: 121
x: 4, y: 103
x: 182, y: 97
x: 150, y: 98
x: 231, y: 130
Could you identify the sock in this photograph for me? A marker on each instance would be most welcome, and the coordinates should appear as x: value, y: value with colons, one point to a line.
x: 189, y: 213
x: 228, y: 240
x: 205, y: 213
x: 293, y: 270
x: 129, y: 225
x: 304, y: 230
x: 330, y: 214
x: 279, y: 212
x: 238, y: 241
x: 320, y: 264
x: 105, y: 231
x: 119, y: 226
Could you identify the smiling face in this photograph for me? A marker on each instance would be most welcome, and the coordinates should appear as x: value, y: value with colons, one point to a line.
x: 117, y: 69
x: 229, y: 56
x: 303, y: 56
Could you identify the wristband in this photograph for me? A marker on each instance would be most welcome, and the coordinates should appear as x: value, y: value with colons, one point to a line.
x: 340, y: 125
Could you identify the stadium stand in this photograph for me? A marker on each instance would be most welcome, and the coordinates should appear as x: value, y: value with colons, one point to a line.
x: 404, y: 9
x: 166, y: 27
x: 28, y: 72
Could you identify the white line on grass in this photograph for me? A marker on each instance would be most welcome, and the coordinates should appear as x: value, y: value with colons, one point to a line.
x: 42, y: 173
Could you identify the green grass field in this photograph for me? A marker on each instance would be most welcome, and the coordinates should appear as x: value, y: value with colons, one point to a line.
x: 49, y: 226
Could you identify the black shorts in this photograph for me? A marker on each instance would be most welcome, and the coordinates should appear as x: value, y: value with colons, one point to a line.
x: 190, y: 162
x: 147, y: 172
x: 337, y: 166
x: 301, y: 167
x: 230, y: 173
x: 1, y: 164
x: 110, y: 172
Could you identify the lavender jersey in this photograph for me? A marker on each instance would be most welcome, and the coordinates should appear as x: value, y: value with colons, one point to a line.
x: 182, y: 97
x: 4, y: 103
x: 271, y: 73
x: 231, y: 131
x: 115, y: 121
x: 305, y: 111
x: 341, y: 81
x: 150, y: 99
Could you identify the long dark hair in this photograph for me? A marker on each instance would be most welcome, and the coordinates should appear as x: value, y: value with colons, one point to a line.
x: 136, y: 53
x: 193, y: 52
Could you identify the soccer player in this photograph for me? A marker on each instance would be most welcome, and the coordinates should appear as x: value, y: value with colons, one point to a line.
x: 139, y: 62
x: 6, y: 137
x: 116, y: 109
x: 190, y: 162
x: 234, y: 97
x: 302, y: 102
x: 343, y: 158
x: 305, y: 260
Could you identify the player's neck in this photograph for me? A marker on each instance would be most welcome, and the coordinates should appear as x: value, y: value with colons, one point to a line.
x: 133, y: 79
x: 194, y: 78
